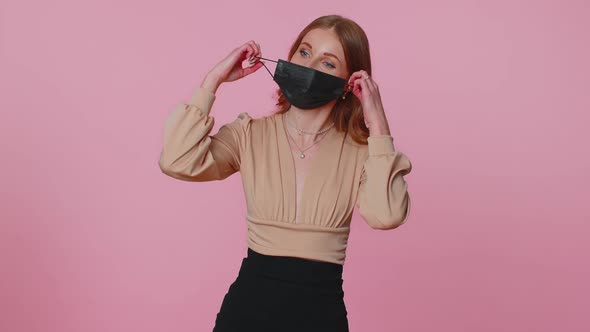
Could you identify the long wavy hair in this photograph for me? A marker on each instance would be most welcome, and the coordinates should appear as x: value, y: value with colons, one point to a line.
x: 347, y: 113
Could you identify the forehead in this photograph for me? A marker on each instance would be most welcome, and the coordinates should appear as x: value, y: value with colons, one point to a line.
x: 323, y: 40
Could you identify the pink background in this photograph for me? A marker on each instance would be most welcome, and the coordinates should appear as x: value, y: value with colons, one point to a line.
x: 489, y: 99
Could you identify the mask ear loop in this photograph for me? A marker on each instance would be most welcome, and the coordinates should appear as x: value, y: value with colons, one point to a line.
x: 259, y: 57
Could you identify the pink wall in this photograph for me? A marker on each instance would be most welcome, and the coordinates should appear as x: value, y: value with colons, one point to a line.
x: 488, y: 98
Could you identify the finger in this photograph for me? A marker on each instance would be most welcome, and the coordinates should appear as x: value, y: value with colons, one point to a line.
x: 253, y: 46
x: 370, y: 86
x: 247, y: 51
x: 350, y: 85
x: 241, y: 53
x: 359, y: 74
x: 356, y: 88
x: 365, y: 89
x: 259, y: 53
x: 251, y: 55
x: 356, y: 75
x: 255, y: 50
x: 249, y: 70
x: 364, y: 85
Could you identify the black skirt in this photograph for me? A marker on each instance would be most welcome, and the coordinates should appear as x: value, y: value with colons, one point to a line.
x: 284, y: 294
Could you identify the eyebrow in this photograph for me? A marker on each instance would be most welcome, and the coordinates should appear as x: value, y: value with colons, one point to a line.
x: 325, y: 53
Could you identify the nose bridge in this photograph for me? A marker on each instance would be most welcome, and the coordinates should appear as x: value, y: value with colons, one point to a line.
x: 314, y: 62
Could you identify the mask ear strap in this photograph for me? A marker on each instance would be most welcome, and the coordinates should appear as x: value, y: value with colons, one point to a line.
x: 259, y: 57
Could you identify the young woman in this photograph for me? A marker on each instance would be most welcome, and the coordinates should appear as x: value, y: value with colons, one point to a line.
x: 304, y: 168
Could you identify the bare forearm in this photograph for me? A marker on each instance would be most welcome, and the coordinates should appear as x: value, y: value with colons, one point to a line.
x: 211, y: 82
x: 378, y: 127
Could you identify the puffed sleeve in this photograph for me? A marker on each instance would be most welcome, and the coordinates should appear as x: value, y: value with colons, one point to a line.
x: 383, y: 198
x: 190, y: 153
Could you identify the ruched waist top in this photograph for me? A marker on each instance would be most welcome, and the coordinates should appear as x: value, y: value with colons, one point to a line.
x: 342, y: 175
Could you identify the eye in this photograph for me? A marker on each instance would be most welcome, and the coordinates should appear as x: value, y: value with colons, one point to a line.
x: 302, y: 52
x: 330, y: 65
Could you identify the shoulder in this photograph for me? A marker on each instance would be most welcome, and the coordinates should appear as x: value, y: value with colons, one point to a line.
x: 241, y: 122
x: 246, y: 123
x: 243, y: 119
x: 257, y: 122
x: 246, y: 117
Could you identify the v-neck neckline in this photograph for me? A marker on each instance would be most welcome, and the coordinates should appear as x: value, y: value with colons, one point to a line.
x: 312, y: 168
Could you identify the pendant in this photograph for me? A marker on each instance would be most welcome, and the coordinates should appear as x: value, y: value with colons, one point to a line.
x: 301, y: 156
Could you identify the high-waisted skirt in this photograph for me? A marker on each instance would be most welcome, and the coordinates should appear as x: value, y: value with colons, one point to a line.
x: 284, y: 294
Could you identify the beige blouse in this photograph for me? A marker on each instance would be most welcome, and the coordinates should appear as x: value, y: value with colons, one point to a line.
x: 342, y: 174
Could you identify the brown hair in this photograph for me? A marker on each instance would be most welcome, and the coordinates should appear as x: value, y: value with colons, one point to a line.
x: 347, y: 113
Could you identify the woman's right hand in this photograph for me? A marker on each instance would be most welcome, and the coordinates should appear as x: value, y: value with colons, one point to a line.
x: 230, y: 68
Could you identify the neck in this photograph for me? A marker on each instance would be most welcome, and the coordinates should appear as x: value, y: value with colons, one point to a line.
x: 311, y: 120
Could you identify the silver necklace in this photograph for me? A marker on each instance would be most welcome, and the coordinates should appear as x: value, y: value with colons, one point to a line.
x: 301, y: 152
x: 301, y: 131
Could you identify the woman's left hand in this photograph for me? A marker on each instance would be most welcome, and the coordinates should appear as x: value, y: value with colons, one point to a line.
x: 367, y: 91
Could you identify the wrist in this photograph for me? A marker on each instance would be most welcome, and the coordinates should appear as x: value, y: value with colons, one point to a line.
x: 377, y: 129
x: 211, y: 82
x: 378, y: 125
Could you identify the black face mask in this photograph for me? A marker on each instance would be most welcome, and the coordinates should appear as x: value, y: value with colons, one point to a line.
x: 305, y: 87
